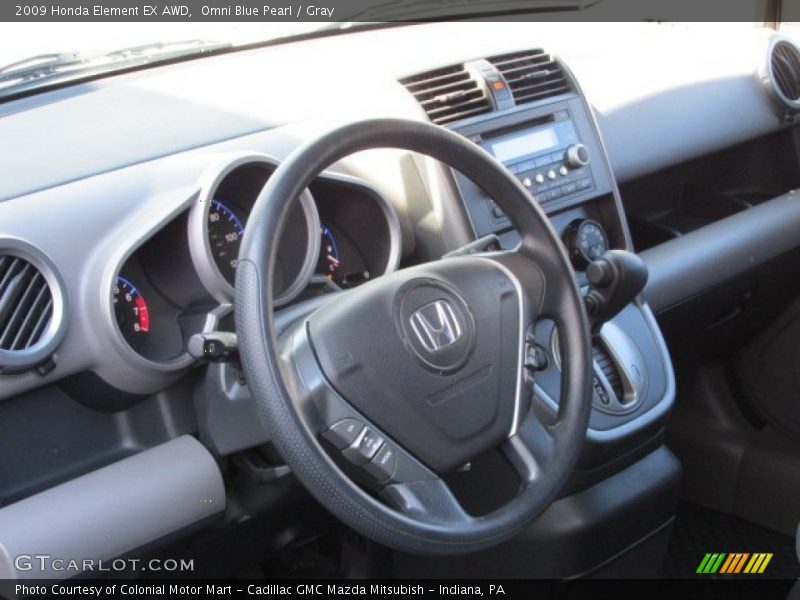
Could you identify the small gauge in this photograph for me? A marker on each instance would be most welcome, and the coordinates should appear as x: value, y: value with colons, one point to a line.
x: 131, y: 312
x: 225, y: 231
x: 329, y: 257
x: 585, y: 240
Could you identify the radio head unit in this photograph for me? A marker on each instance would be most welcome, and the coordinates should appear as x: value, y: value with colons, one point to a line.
x: 553, y: 151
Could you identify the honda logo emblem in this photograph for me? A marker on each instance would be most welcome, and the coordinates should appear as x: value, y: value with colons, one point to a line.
x: 436, y: 325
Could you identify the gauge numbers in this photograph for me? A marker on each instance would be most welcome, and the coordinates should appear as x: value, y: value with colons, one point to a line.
x: 131, y: 312
x: 225, y: 231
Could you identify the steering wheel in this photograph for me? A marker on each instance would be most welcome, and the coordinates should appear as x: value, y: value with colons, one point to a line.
x: 375, y: 397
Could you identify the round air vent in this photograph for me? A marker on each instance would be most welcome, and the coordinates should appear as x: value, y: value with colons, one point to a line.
x: 32, y: 307
x: 783, y: 74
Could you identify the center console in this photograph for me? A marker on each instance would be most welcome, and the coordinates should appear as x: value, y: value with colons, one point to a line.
x: 553, y: 148
x: 624, y: 489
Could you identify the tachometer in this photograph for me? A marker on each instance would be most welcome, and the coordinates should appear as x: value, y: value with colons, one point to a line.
x: 131, y: 312
x: 225, y: 231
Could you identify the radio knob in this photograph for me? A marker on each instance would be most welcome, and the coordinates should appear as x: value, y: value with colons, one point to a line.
x: 577, y: 156
x: 539, y: 178
x: 551, y: 174
x: 527, y: 182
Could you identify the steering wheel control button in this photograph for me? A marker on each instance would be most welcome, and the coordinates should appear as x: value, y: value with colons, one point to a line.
x: 343, y: 433
x: 382, y: 467
x: 363, y: 449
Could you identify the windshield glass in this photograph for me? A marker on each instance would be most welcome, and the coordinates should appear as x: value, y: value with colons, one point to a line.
x: 35, y: 54
x: 24, y: 40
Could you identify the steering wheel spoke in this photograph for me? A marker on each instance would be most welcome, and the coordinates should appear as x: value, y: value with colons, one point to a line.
x: 530, y: 449
x: 429, y: 500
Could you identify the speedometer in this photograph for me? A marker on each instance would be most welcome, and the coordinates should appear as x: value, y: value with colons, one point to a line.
x: 218, y: 222
x: 225, y: 231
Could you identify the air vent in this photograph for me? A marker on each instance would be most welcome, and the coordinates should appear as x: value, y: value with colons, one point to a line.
x: 532, y: 75
x: 603, y: 360
x: 31, y: 307
x: 448, y: 94
x: 784, y: 74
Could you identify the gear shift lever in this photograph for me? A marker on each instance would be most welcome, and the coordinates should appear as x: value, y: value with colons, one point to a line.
x: 615, y: 278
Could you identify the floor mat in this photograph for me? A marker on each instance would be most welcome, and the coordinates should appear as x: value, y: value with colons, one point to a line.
x: 700, y: 530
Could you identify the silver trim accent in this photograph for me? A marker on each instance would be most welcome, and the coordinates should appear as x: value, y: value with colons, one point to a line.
x: 51, y: 338
x: 200, y: 250
x: 521, y: 360
x: 652, y: 414
x: 623, y: 352
x: 111, y: 271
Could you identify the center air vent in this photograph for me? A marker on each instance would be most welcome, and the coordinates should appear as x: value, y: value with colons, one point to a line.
x: 448, y: 94
x: 532, y: 75
x: 784, y: 74
x: 31, y: 312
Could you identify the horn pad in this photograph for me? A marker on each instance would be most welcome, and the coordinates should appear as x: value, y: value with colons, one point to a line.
x: 430, y: 354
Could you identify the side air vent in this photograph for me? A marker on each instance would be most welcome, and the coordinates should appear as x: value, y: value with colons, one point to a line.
x: 31, y: 308
x: 532, y: 75
x: 783, y: 74
x: 603, y: 360
x: 448, y: 94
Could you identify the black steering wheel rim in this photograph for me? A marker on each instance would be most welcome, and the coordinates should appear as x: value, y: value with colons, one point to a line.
x: 557, y: 445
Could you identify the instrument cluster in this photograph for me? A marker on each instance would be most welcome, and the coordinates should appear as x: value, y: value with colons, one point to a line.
x: 339, y: 233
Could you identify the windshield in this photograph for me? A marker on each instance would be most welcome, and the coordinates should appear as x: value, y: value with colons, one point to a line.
x: 24, y: 40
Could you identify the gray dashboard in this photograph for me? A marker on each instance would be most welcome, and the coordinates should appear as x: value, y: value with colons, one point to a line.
x: 94, y: 170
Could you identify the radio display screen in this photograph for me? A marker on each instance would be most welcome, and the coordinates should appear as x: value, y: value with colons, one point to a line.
x: 522, y: 145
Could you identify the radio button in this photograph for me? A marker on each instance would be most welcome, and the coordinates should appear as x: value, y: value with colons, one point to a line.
x: 551, y: 174
x: 527, y: 182
x: 563, y: 171
x: 569, y: 188
x: 584, y: 183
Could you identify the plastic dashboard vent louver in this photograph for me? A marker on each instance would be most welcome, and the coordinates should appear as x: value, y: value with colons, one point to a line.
x: 26, y: 304
x: 532, y: 75
x: 448, y: 94
x: 785, y: 63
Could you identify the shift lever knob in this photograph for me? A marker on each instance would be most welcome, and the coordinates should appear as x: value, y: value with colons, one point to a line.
x: 615, y: 279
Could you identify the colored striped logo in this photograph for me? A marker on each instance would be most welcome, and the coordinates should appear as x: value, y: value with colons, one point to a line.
x: 734, y: 563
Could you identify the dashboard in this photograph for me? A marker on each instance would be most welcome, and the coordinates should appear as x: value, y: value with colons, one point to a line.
x: 124, y: 201
x: 163, y: 202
